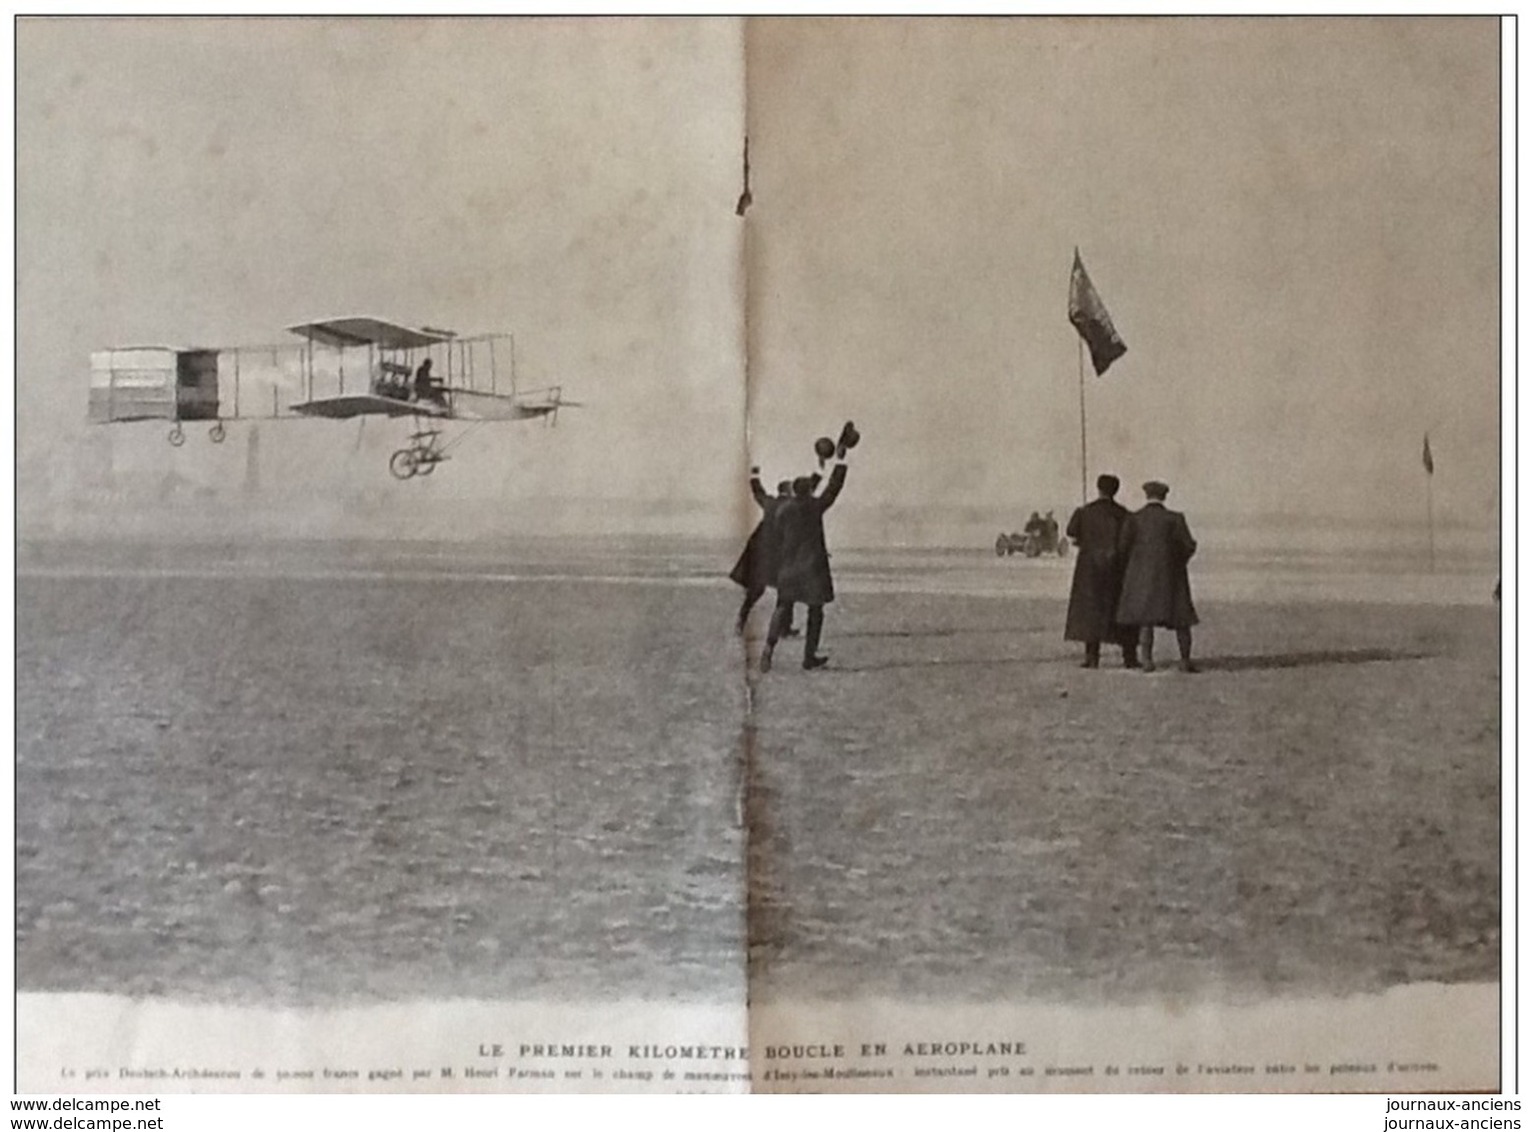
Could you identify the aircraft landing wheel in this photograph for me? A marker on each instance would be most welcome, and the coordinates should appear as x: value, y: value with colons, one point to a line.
x: 427, y: 466
x: 177, y: 437
x: 403, y: 464
x: 217, y: 433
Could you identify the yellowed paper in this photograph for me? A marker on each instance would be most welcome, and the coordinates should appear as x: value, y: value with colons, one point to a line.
x: 389, y: 731
x: 1287, y: 859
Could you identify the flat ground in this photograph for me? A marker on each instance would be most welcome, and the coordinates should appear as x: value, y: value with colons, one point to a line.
x: 957, y: 810
x: 331, y: 790
x: 427, y: 779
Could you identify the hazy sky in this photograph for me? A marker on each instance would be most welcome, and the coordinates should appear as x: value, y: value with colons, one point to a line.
x: 1293, y: 223
x: 212, y: 182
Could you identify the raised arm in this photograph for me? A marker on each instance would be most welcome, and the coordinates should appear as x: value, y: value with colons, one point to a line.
x: 757, y: 489
x: 832, y: 487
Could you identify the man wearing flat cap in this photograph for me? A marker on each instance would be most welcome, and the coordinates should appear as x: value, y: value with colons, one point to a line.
x: 1155, y: 545
x: 1092, y: 617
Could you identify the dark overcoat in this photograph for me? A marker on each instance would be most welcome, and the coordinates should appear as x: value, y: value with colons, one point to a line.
x: 1156, y: 545
x: 757, y: 565
x: 1095, y: 529
x: 803, y: 562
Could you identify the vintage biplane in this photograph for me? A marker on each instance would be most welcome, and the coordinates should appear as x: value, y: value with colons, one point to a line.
x: 343, y: 368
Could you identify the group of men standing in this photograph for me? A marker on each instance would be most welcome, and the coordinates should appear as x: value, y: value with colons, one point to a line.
x: 1130, y: 572
x: 1130, y: 576
x: 787, y: 549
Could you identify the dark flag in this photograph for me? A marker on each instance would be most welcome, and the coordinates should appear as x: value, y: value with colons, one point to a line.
x: 1425, y: 457
x: 1088, y: 315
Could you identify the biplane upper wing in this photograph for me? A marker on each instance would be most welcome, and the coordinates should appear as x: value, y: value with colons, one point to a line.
x: 361, y: 330
x: 365, y: 405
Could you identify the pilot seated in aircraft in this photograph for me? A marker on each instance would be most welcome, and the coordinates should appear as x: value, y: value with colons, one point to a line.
x: 427, y: 387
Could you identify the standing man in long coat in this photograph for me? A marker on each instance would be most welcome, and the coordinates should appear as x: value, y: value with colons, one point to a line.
x: 756, y: 568
x: 803, y: 562
x: 1156, y: 545
x: 1092, y: 617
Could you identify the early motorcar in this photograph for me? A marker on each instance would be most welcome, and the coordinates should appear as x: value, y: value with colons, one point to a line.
x: 1040, y: 536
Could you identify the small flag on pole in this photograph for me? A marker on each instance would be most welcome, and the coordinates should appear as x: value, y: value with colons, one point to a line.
x: 1425, y: 457
x: 1088, y: 315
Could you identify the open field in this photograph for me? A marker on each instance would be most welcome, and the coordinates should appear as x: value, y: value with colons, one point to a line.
x: 309, y: 776
x: 320, y: 790
x: 958, y: 810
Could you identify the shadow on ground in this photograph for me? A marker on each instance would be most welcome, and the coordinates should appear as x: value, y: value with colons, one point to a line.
x: 1251, y: 663
x: 965, y: 662
x: 1307, y: 659
x: 999, y: 630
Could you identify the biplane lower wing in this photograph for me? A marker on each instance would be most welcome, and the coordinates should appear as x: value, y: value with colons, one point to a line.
x: 366, y: 405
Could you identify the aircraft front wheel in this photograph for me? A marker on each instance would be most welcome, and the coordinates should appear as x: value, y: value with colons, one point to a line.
x: 402, y: 464
x: 177, y: 437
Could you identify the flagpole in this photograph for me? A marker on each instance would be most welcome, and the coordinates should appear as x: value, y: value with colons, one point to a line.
x: 1080, y: 353
x: 1430, y: 523
x: 1430, y: 466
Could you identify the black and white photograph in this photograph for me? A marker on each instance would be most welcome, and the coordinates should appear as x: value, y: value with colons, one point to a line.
x: 892, y: 554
